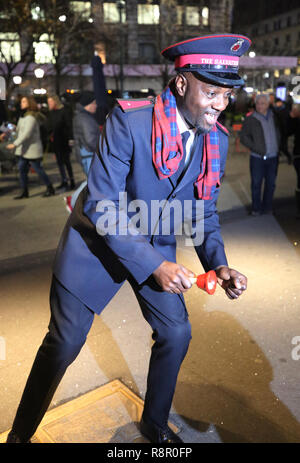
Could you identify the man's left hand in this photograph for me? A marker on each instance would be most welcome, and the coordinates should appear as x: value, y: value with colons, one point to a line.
x: 232, y: 281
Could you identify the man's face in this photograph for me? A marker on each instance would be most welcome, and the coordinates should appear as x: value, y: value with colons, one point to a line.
x: 262, y: 105
x: 51, y: 104
x: 200, y: 103
x: 92, y: 107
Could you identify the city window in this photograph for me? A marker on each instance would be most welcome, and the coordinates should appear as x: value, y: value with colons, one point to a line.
x: 276, y: 41
x: 10, y: 50
x: 82, y: 9
x: 148, y: 14
x: 37, y: 12
x: 266, y: 44
x: 277, y: 25
x: 111, y: 13
x: 147, y: 53
x: 43, y: 51
x: 205, y: 16
x: 180, y: 11
x: 192, y: 16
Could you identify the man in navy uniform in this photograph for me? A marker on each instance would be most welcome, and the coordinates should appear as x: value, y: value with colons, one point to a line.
x: 169, y: 149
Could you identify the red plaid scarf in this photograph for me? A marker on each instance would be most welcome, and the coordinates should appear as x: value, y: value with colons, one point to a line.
x: 167, y: 149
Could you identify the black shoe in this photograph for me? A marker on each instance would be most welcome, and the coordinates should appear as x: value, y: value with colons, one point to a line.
x: 158, y: 435
x: 13, y: 438
x: 72, y: 185
x: 24, y: 194
x: 49, y: 192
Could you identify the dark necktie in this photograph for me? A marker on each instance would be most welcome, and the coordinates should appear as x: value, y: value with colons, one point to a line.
x: 184, y: 137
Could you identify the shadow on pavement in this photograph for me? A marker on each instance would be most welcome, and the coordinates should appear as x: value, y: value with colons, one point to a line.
x: 226, y: 378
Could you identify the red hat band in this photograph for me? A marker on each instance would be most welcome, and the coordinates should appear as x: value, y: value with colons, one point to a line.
x: 206, y: 61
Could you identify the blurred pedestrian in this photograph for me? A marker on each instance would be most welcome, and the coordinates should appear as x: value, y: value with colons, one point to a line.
x: 294, y: 129
x: 282, y: 112
x: 261, y: 134
x: 60, y: 130
x: 241, y: 103
x: 3, y: 113
x: 28, y: 147
x: 251, y: 105
x: 86, y: 137
x: 86, y: 129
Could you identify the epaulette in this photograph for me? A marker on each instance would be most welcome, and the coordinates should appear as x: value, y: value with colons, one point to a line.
x: 133, y: 104
x: 222, y: 128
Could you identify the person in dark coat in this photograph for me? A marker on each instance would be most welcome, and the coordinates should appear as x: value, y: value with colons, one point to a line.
x: 294, y: 129
x: 172, y: 151
x: 86, y: 135
x: 282, y: 111
x: 86, y: 130
x: 60, y: 130
x: 261, y: 134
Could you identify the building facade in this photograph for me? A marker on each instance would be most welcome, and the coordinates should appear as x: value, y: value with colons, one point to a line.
x: 274, y: 28
x: 127, y: 35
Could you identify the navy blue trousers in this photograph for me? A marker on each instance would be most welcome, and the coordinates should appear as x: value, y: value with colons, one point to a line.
x: 63, y: 161
x: 24, y: 165
x: 69, y: 325
x: 263, y: 171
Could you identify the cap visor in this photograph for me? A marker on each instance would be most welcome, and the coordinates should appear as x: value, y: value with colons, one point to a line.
x: 223, y: 79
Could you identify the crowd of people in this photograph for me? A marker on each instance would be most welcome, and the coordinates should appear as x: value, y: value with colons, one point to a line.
x: 35, y: 132
x: 266, y: 125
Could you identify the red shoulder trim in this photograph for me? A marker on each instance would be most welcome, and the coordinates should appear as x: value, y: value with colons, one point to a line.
x: 134, y: 103
x: 222, y: 127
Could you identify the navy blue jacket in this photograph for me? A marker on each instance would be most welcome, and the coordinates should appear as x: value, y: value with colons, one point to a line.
x: 93, y: 264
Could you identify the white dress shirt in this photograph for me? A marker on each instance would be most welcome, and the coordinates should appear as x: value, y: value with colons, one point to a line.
x: 183, y: 127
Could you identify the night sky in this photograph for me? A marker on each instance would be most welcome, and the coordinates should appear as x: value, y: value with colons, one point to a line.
x: 248, y: 12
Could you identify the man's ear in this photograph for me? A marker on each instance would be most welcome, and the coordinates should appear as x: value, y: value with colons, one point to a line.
x: 181, y: 84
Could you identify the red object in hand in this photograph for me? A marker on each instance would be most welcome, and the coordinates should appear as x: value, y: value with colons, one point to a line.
x: 206, y: 281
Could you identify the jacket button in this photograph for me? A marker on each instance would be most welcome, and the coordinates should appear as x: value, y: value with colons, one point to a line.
x: 174, y: 195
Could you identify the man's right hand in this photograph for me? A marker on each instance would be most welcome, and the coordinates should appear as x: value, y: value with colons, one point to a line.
x: 173, y: 278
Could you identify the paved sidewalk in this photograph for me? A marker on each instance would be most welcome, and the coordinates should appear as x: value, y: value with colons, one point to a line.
x: 239, y: 381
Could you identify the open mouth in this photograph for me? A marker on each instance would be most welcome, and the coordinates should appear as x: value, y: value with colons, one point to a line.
x: 211, y: 119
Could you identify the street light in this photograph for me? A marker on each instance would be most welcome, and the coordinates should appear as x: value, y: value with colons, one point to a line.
x: 121, y: 5
x: 17, y: 80
x: 39, y: 73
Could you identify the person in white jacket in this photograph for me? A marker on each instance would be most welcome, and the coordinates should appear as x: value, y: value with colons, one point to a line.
x: 28, y: 147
